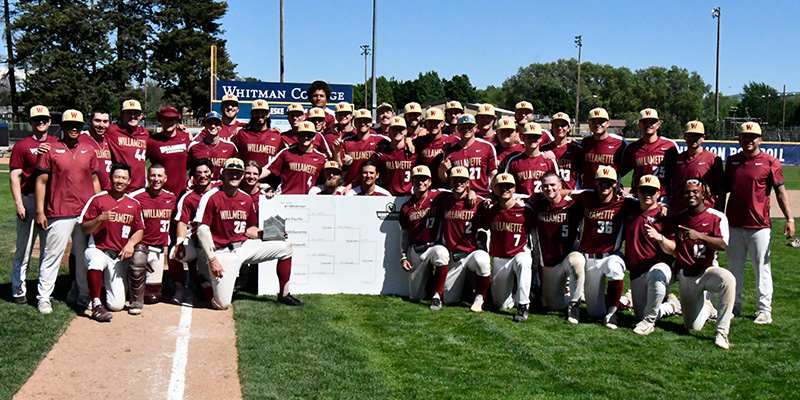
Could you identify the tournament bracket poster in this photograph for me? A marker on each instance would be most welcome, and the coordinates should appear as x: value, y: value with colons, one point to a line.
x: 342, y: 244
x: 278, y: 95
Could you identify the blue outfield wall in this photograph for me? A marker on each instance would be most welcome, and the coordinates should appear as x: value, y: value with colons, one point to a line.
x: 278, y: 95
x: 787, y: 153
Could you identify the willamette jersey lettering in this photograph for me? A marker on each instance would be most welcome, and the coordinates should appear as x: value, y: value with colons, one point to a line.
x: 24, y: 157
x: 750, y: 182
x: 217, y: 153
x: 430, y: 150
x: 706, y: 166
x: 608, y: 151
x: 360, y: 150
x: 695, y: 253
x: 418, y: 218
x: 395, y: 169
x: 123, y: 221
x: 657, y: 158
x: 528, y: 171
x: 227, y: 217
x: 557, y: 228
x: 186, y: 210
x: 504, y: 154
x: 171, y: 152
x: 602, y: 223
x: 459, y: 224
x: 479, y: 158
x: 641, y: 251
x: 131, y: 149
x: 157, y: 213
x: 569, y: 158
x: 319, y: 143
x: 297, y: 169
x: 257, y: 146
x: 70, y: 184
x: 103, y: 158
x: 508, y: 229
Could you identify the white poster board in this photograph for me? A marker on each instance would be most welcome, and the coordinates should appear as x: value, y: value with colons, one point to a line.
x: 341, y: 244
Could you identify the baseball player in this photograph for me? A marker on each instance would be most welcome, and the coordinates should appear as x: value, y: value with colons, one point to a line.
x: 114, y: 222
x: 650, y: 155
x: 452, y: 112
x: 250, y: 184
x: 395, y: 160
x: 509, y: 222
x: 507, y: 141
x: 459, y: 234
x: 157, y: 205
x: 600, y: 243
x: 429, y: 146
x: 23, y: 183
x: 298, y: 167
x: 700, y: 233
x: 319, y: 93
x: 295, y: 115
x: 229, y: 235
x: 369, y: 179
x: 558, y: 220
x: 257, y: 141
x: 413, y: 119
x: 385, y: 113
x: 750, y: 177
x: 169, y: 148
x: 419, y: 254
x: 484, y: 120
x: 212, y: 146
x: 67, y: 179
x: 529, y: 167
x: 95, y: 137
x: 128, y: 143
x: 523, y: 114
x: 477, y: 155
x: 344, y: 124
x: 568, y: 153
x: 696, y: 162
x: 332, y: 181
x: 600, y: 149
x: 230, y: 125
x: 354, y: 150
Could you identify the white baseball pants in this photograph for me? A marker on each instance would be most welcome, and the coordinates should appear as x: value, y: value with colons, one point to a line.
x: 597, y: 270
x: 478, y: 262
x: 649, y: 291
x: 252, y: 251
x: 115, y: 273
x: 59, y: 231
x: 755, y: 242
x: 26, y: 236
x: 508, y: 273
x: 554, y: 281
x: 692, y: 288
x: 422, y: 268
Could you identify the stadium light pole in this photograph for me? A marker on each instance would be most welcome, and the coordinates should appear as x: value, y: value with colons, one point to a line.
x: 374, y: 24
x: 717, y: 13
x: 767, y: 96
x: 365, y: 53
x: 281, y: 41
x: 579, y: 45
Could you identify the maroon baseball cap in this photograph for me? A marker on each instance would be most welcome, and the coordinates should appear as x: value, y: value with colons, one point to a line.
x: 168, y: 112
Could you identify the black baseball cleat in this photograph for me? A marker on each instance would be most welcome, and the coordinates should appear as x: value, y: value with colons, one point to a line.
x: 21, y: 300
x: 290, y: 300
x: 100, y: 314
x: 522, y: 313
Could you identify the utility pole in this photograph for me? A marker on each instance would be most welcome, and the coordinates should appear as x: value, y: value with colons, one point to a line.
x: 717, y: 13
x: 579, y: 45
x: 365, y: 53
x: 374, y: 30
x: 12, y: 79
x: 281, y: 41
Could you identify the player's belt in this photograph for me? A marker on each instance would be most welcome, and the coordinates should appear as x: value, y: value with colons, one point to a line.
x: 692, y: 271
x: 156, y: 249
x: 421, y: 248
x: 460, y: 255
x: 597, y: 255
x: 111, y: 253
x: 231, y: 246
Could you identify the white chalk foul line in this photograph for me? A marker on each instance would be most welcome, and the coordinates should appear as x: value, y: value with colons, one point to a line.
x: 177, y: 380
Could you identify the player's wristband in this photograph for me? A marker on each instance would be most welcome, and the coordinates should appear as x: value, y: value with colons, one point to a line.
x: 790, y: 220
x: 403, y: 258
x: 179, y: 241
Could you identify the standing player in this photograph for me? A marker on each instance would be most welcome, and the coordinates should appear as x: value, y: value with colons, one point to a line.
x: 509, y: 221
x: 23, y: 183
x: 67, y: 179
x: 529, y: 167
x: 507, y: 141
x: 229, y: 236
x: 257, y: 141
x: 95, y: 137
x: 157, y: 205
x: 558, y: 219
x: 419, y: 254
x: 230, y: 125
x: 128, y: 142
x: 650, y: 155
x: 295, y: 115
x: 429, y: 146
x: 413, y: 119
x: 169, y: 149
x: 477, y: 155
x: 369, y: 179
x: 568, y: 153
x: 452, y: 112
x: 331, y: 180
x: 343, y: 126
x: 523, y: 114
x: 298, y: 167
x: 750, y: 177
x: 696, y: 162
x: 354, y: 150
x: 395, y: 160
x: 385, y: 113
x: 600, y: 149
x: 319, y: 93
x: 485, y: 122
x: 114, y: 222
x: 211, y: 147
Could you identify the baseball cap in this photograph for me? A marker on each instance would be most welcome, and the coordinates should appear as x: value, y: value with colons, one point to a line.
x: 648, y: 113
x: 650, y: 181
x: 750, y: 127
x: 306, y: 126
x: 486, y: 109
x: 168, y: 112
x: 506, y: 123
x: 234, y: 163
x: 532, y: 128
x: 316, y: 112
x: 72, y: 116
x: 212, y: 115
x: 397, y: 121
x: 694, y: 127
x: 598, y: 113
x: 524, y: 105
x: 295, y: 107
x: 40, y: 111
x: 434, y: 114
x: 363, y: 113
x: 131, y: 105
x: 562, y: 116
x: 504, y: 178
x: 606, y: 172
x: 230, y: 97
x: 453, y: 105
x: 413, y: 108
x: 331, y: 164
x: 421, y: 170
x: 344, y: 107
x: 466, y: 119
x: 459, y: 172
x: 259, y: 105
x: 384, y: 105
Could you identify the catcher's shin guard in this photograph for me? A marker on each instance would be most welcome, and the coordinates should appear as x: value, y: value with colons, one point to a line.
x: 136, y: 282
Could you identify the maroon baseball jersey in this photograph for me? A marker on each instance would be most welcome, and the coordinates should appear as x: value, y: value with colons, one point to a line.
x: 418, y: 218
x: 706, y: 166
x: 332, y: 134
x: 750, y: 182
x: 297, y: 169
x: 186, y: 210
x: 557, y: 227
x: 330, y: 119
x: 123, y: 221
x: 602, y: 223
x: 479, y: 158
x: 130, y: 149
x: 528, y: 171
x: 227, y: 217
x: 157, y: 213
x: 24, y: 157
x: 657, y: 158
x: 596, y: 153
x: 360, y: 150
x: 459, y: 224
x: 569, y: 158
x: 509, y: 228
x: 289, y: 138
x: 395, y: 169
x: 430, y: 146
x: 505, y: 153
x: 642, y: 252
x: 228, y: 131
x: 70, y: 184
x: 217, y: 153
x: 103, y: 158
x: 172, y: 153
x: 695, y: 253
x: 257, y: 146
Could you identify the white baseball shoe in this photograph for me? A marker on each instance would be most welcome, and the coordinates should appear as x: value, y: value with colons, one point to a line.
x: 644, y: 327
x: 763, y: 318
x: 44, y: 306
x: 477, y: 305
x: 721, y: 341
x: 675, y: 303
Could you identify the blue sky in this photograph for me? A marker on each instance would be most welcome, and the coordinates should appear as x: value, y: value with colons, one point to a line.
x: 491, y: 40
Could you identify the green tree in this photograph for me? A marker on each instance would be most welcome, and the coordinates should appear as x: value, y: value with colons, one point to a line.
x: 383, y: 88
x: 459, y: 88
x: 755, y: 98
x: 428, y: 88
x: 131, y: 26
